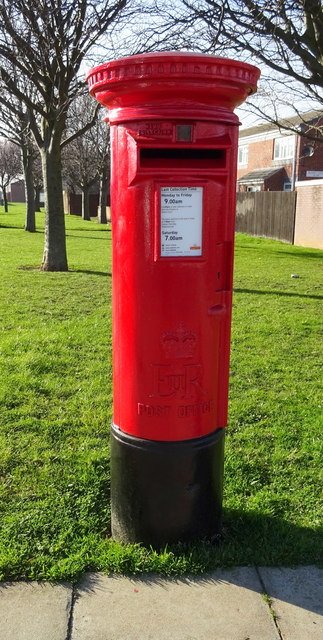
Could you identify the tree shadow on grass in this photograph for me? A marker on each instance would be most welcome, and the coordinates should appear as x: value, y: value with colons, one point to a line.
x: 87, y: 271
x: 301, y: 254
x: 20, y: 228
x: 94, y: 229
x: 278, y: 293
x: 70, y: 235
x: 91, y: 273
x: 289, y: 251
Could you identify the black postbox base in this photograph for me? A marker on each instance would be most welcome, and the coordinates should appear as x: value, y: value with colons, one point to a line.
x: 166, y: 492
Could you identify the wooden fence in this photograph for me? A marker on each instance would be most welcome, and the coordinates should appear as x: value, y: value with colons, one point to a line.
x: 267, y: 213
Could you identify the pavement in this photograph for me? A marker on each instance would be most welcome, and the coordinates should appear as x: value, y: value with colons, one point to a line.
x: 244, y: 603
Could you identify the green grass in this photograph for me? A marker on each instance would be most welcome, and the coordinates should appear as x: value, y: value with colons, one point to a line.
x: 55, y: 390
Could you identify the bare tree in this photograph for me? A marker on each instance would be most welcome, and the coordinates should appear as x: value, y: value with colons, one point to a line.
x: 45, y: 42
x: 14, y: 126
x: 101, y: 135
x: 80, y: 169
x: 85, y: 159
x: 37, y: 181
x: 10, y: 167
x: 284, y: 36
x: 104, y: 175
x: 29, y: 153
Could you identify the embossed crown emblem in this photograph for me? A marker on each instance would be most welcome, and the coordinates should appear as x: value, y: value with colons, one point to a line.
x: 180, y: 343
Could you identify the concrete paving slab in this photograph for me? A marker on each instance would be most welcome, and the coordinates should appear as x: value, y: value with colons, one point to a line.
x: 297, y: 600
x: 34, y: 611
x: 223, y: 605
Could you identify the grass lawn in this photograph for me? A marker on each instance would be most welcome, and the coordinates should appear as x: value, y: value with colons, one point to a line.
x: 55, y: 394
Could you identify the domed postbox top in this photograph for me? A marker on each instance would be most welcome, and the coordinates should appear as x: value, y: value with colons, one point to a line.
x: 170, y: 83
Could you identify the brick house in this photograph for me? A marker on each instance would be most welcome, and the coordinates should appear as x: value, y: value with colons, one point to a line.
x: 273, y: 158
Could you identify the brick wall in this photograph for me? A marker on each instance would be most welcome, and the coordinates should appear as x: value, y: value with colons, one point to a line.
x: 260, y: 156
x: 309, y: 214
x: 276, y: 182
x: 310, y: 163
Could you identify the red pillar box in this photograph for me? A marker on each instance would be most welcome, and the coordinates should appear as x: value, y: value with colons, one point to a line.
x: 174, y: 153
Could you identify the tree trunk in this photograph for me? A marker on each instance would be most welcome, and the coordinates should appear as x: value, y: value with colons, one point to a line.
x: 104, y: 182
x: 27, y: 161
x: 55, y: 257
x: 37, y: 198
x: 85, y: 204
x: 5, y: 199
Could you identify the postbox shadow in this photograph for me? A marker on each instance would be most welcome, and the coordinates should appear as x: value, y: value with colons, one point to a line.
x: 300, y: 586
x: 255, y: 539
x: 252, y: 548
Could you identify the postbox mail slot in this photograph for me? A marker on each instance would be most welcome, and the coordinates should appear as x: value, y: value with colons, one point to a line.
x: 184, y: 158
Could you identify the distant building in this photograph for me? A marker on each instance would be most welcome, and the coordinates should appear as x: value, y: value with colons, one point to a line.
x: 272, y: 158
x: 73, y: 200
x: 17, y: 191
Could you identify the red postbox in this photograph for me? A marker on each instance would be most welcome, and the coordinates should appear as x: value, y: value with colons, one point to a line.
x: 173, y: 180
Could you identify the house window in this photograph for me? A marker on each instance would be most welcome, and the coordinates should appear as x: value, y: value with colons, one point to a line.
x: 254, y: 188
x: 243, y: 156
x: 284, y: 148
x: 287, y: 186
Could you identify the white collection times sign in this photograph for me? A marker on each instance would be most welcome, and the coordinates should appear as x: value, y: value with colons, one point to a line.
x: 181, y: 221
